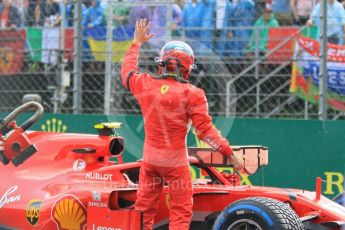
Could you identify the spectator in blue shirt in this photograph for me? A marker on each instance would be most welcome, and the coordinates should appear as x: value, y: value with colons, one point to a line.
x: 191, y: 14
x: 94, y: 15
x: 335, y: 21
x: 234, y: 38
x: 282, y: 12
x: 198, y: 21
x: 208, y: 22
x: 69, y: 11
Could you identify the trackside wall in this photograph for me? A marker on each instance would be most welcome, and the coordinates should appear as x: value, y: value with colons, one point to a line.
x: 299, y: 151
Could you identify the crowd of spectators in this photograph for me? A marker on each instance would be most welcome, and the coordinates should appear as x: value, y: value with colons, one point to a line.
x: 223, y: 25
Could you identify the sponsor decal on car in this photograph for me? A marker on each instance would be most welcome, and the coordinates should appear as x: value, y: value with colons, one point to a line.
x: 68, y: 212
x: 98, y: 176
x: 98, y: 204
x: 33, y: 211
x: 79, y: 165
x: 97, y: 197
x: 8, y: 196
x: 94, y: 227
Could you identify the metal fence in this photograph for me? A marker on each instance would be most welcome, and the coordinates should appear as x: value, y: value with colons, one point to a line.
x: 75, y: 68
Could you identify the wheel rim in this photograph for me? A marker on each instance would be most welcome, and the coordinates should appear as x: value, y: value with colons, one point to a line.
x: 244, y: 224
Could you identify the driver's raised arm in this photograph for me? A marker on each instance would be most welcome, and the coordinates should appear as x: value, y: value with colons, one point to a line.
x: 130, y: 75
x: 130, y: 66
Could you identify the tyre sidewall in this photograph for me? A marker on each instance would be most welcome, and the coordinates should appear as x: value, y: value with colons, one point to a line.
x: 247, y: 210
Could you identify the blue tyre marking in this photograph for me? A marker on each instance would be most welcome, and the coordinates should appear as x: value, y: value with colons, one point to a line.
x: 340, y: 200
x: 253, y: 208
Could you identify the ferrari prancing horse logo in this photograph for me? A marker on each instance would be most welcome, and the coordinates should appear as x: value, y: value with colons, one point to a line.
x: 164, y: 89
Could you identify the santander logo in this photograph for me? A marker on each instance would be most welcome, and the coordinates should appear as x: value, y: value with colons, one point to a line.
x: 8, y: 197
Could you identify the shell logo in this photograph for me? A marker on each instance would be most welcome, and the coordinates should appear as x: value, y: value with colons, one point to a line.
x: 69, y: 213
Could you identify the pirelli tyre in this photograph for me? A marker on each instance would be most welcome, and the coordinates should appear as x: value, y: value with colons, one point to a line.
x: 258, y: 213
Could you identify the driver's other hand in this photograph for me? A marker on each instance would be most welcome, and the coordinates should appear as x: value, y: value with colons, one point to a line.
x: 237, y: 162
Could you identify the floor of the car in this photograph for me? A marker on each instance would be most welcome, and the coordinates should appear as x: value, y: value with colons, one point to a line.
x: 194, y: 226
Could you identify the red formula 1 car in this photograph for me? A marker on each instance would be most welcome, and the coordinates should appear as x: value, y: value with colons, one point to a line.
x: 67, y: 181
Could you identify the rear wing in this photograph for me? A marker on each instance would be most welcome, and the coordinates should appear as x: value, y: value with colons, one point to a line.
x: 253, y: 156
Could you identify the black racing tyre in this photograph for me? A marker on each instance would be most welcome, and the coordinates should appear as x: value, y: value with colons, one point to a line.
x: 258, y: 213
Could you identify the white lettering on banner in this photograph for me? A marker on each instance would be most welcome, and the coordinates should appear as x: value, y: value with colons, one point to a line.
x: 332, y: 77
x: 98, y: 176
x: 342, y: 78
x: 331, y: 52
x: 307, y: 44
x: 7, y: 198
x: 341, y: 52
x: 104, y: 228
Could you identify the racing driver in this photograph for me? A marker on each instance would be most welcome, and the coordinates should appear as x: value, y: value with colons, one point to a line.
x: 168, y: 102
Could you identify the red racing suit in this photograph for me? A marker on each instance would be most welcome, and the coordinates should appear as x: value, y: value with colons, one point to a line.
x: 167, y: 107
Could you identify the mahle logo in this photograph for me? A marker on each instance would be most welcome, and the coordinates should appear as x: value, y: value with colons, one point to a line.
x: 54, y: 125
x: 33, y: 211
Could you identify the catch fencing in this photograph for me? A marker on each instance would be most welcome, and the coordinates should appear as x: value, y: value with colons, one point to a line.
x: 75, y: 68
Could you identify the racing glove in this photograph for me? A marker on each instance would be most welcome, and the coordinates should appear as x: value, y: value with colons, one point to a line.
x: 226, y: 150
x: 237, y: 162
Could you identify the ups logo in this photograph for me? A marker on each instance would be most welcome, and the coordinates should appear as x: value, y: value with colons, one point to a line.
x: 33, y: 211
